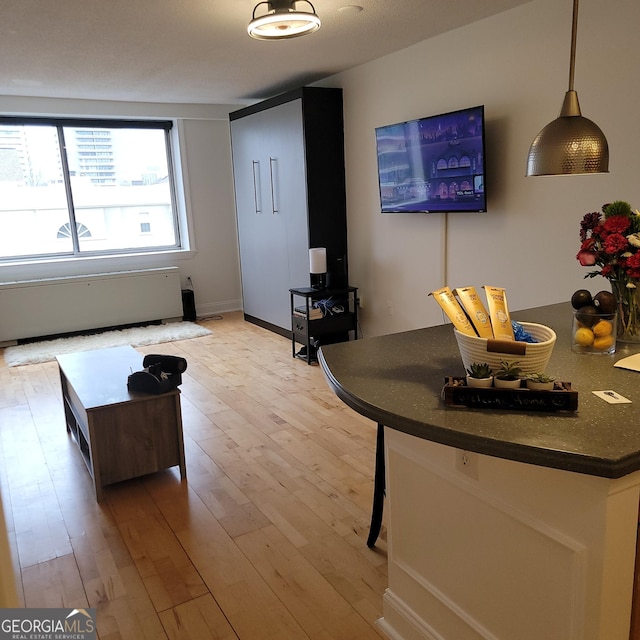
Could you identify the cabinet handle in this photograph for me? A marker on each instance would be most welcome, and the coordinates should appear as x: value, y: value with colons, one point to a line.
x: 255, y: 186
x: 274, y: 210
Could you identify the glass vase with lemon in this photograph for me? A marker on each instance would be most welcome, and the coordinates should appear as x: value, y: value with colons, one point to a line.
x: 594, y: 333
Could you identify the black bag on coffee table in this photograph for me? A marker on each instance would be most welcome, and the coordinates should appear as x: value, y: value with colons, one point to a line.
x: 160, y: 374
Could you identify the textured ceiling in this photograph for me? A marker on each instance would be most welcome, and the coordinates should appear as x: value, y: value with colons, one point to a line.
x: 198, y: 51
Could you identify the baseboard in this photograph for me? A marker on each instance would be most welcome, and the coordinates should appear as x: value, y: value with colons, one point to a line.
x: 214, y: 308
x: 268, y: 325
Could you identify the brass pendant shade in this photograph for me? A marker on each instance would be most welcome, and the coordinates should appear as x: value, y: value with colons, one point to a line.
x: 571, y: 144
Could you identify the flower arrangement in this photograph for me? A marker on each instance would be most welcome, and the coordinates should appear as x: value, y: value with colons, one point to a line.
x: 610, y: 241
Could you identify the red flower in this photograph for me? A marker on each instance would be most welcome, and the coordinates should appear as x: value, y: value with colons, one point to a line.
x: 634, y: 261
x: 633, y: 266
x: 587, y: 258
x: 607, y: 271
x: 615, y: 242
x: 617, y: 224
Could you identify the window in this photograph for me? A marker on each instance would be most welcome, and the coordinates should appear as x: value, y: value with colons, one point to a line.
x: 65, y: 231
x: 77, y: 188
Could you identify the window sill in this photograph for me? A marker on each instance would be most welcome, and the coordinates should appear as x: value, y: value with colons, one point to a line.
x: 60, y: 267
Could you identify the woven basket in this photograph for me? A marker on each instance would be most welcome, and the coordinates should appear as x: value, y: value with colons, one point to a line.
x: 535, y: 358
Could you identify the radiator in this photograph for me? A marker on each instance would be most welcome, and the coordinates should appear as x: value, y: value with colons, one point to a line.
x: 52, y: 306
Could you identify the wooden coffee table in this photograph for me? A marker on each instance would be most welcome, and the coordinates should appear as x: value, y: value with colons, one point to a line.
x: 121, y: 434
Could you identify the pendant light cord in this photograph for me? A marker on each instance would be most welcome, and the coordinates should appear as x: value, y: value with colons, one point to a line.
x: 574, y: 35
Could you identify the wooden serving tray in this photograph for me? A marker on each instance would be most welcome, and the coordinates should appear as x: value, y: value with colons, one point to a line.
x: 456, y: 393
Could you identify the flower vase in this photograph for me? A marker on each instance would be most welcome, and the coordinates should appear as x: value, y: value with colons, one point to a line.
x: 627, y: 295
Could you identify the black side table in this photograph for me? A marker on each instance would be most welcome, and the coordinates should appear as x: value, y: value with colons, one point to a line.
x: 322, y: 316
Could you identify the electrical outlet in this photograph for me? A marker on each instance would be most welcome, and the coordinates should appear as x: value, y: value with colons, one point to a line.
x: 467, y: 463
x: 360, y: 302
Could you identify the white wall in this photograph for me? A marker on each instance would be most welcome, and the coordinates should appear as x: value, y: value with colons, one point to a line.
x: 207, y: 179
x: 215, y: 268
x: 516, y: 64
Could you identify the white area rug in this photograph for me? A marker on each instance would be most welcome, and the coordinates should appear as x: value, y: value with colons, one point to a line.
x: 46, y: 351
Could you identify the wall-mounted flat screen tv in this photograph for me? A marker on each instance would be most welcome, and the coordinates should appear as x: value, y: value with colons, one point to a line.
x: 434, y: 164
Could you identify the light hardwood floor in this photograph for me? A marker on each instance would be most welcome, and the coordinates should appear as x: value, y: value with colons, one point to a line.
x: 266, y: 539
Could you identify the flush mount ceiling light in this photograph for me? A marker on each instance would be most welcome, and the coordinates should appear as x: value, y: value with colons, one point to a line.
x: 570, y: 144
x: 282, y: 21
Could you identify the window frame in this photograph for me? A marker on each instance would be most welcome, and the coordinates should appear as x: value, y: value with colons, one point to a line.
x: 180, y: 223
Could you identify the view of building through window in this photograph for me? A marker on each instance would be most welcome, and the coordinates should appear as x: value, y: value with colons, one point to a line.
x: 86, y: 189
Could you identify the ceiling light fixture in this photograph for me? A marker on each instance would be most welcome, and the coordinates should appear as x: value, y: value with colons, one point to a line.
x: 570, y: 144
x: 282, y: 21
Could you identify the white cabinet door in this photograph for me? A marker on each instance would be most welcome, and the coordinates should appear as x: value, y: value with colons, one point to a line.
x: 247, y: 141
x: 271, y: 201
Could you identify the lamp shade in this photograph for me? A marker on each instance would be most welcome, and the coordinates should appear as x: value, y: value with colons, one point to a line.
x: 569, y: 145
x: 318, y: 260
x: 282, y: 21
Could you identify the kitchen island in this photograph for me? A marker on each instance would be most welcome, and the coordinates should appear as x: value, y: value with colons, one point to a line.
x: 501, y: 524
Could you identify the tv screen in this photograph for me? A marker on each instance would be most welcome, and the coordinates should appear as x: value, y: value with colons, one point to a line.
x: 434, y: 164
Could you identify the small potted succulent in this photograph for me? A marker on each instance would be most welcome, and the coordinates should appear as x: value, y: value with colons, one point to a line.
x: 540, y: 382
x: 508, y: 376
x: 479, y: 375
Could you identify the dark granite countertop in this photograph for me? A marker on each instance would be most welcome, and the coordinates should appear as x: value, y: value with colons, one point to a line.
x: 397, y: 380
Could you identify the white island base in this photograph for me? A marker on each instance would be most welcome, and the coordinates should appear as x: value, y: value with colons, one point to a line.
x: 502, y: 550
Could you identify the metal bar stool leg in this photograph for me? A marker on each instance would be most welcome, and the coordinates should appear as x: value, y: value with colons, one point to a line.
x: 378, y: 490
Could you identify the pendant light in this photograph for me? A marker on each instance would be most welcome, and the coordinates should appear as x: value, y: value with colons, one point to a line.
x: 570, y: 144
x: 282, y: 21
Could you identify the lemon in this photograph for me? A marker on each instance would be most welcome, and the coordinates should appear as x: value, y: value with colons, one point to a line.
x: 584, y: 337
x: 602, y: 328
x: 603, y: 342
